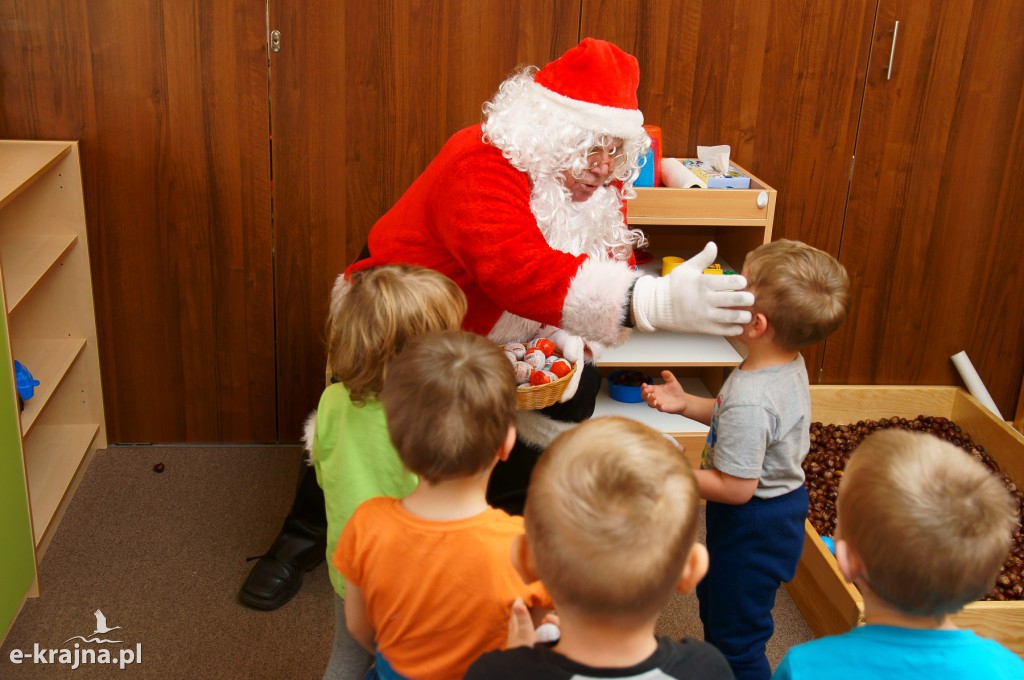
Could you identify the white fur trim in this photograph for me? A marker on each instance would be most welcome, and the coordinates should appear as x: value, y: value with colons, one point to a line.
x: 308, y: 430
x: 622, y: 123
x: 595, y: 305
x: 533, y: 427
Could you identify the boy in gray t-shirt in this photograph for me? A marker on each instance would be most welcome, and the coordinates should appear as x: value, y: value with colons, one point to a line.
x: 751, y: 471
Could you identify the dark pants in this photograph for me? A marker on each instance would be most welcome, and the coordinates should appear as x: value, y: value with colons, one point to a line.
x: 506, y: 488
x: 753, y: 548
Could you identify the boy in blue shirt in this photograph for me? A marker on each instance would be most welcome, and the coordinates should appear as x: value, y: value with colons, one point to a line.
x: 923, y: 530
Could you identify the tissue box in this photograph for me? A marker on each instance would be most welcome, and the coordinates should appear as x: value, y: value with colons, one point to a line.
x: 734, y: 179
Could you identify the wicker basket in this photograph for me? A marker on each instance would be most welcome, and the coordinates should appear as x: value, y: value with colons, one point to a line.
x: 534, y: 397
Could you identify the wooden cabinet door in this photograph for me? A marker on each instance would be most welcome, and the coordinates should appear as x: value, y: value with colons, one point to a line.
x: 932, y: 237
x: 363, y: 95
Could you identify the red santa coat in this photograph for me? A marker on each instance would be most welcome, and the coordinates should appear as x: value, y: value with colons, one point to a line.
x: 468, y: 216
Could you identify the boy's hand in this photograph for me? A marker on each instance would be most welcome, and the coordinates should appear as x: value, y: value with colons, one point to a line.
x: 520, y: 626
x: 668, y: 398
x: 521, y: 632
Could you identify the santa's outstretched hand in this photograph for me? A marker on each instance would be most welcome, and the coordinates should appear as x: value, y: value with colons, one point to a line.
x: 687, y: 301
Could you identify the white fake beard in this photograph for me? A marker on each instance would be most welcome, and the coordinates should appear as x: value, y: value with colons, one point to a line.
x: 593, y: 227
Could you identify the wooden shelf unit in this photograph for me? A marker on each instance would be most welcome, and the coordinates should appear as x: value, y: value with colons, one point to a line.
x: 680, y: 222
x: 50, y: 323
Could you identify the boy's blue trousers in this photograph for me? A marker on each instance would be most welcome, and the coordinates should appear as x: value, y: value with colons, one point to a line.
x: 753, y: 549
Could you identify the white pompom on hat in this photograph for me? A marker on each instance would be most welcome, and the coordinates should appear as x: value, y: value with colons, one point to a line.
x: 594, y: 85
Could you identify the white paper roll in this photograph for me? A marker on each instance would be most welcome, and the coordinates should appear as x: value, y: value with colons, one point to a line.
x: 675, y: 174
x: 973, y: 381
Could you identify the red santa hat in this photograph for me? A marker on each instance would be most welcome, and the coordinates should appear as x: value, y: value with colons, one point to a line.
x: 594, y: 86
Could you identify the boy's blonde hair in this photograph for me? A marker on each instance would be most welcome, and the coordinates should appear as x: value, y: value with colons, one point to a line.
x: 380, y: 311
x: 802, y: 291
x: 611, y: 516
x: 449, y: 399
x: 931, y: 524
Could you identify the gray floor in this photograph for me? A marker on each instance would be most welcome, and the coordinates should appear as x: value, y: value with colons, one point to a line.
x: 163, y: 555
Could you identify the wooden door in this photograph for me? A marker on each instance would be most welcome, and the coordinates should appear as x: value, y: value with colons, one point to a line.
x: 169, y: 100
x: 363, y: 95
x: 933, y: 236
x: 780, y: 82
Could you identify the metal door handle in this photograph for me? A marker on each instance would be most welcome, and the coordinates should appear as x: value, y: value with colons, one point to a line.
x: 892, y: 51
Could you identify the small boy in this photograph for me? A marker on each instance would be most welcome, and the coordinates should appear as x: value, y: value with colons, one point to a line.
x: 924, y: 531
x: 430, y: 582
x: 611, y: 525
x: 751, y: 472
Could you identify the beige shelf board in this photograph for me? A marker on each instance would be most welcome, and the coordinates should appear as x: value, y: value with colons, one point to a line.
x: 48, y: 361
x: 22, y: 162
x: 26, y: 259
x: 703, y: 207
x: 666, y: 349
x: 53, y: 455
x: 671, y: 424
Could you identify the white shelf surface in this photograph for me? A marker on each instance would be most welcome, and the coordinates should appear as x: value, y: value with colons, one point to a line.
x: 663, y: 422
x: 662, y: 348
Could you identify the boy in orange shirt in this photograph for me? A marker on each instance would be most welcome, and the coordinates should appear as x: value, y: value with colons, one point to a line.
x: 430, y: 582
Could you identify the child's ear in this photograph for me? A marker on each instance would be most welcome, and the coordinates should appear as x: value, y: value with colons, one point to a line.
x: 851, y: 566
x: 758, y: 325
x: 522, y: 559
x: 694, y: 569
x: 506, y: 446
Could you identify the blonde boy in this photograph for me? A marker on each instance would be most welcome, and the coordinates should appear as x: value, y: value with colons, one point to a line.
x: 759, y: 436
x: 611, y: 522
x: 430, y: 583
x: 924, y: 530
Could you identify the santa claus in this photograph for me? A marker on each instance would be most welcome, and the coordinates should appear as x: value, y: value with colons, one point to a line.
x: 525, y: 213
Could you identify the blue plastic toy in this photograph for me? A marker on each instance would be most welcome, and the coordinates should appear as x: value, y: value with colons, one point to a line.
x: 829, y: 543
x: 24, y: 381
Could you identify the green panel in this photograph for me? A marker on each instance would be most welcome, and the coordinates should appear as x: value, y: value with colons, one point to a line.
x: 17, y: 551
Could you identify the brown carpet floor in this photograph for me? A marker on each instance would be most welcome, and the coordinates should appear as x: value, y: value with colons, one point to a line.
x: 162, y: 555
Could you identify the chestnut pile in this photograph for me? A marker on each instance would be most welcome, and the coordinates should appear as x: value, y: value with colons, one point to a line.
x: 831, y: 447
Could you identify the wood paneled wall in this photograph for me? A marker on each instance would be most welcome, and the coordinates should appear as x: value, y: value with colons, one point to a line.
x: 363, y: 96
x: 780, y: 82
x: 169, y: 100
x: 211, y: 301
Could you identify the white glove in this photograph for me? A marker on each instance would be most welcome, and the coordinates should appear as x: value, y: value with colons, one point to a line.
x: 687, y: 301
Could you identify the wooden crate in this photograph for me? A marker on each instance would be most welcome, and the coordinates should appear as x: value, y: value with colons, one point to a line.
x: 830, y: 604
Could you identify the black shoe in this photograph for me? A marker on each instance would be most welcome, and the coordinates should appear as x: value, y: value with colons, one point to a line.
x: 277, y: 575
